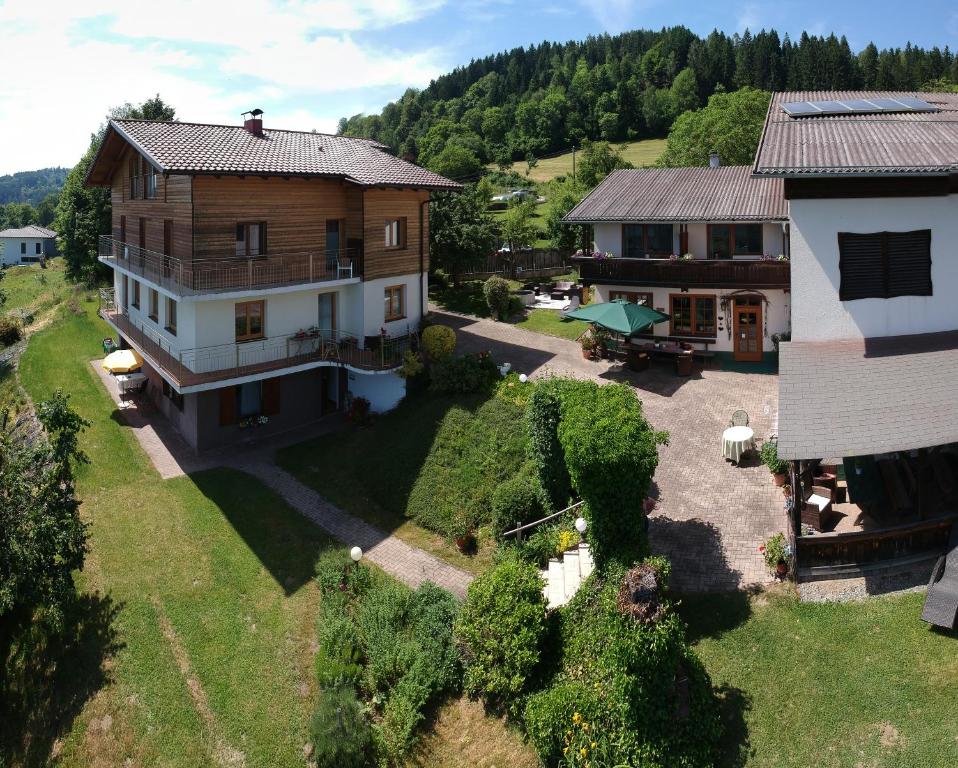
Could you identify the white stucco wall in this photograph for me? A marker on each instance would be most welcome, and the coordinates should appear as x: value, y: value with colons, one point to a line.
x: 776, y: 315
x: 374, y: 307
x: 819, y: 315
x: 608, y: 237
x: 384, y: 391
x: 10, y: 249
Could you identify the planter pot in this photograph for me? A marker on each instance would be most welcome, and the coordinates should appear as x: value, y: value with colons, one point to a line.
x: 781, y: 569
x: 587, y: 354
x: 466, y: 543
x: 779, y: 479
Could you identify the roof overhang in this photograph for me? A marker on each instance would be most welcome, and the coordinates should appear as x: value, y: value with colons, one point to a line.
x: 106, y: 161
x: 681, y: 220
x: 867, y: 396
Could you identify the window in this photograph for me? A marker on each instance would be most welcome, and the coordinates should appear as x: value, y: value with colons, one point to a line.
x: 149, y: 181
x: 23, y: 249
x: 395, y: 302
x: 643, y: 240
x: 251, y: 239
x: 154, y: 305
x: 171, y: 315
x: 136, y: 181
x: 126, y: 292
x: 883, y: 265
x: 136, y: 293
x: 172, y: 395
x: 720, y: 246
x: 637, y: 297
x: 727, y: 240
x: 249, y: 320
x: 123, y: 229
x: 249, y: 399
x: 692, y: 315
x: 748, y: 239
x: 142, y: 233
x: 396, y: 233
x: 37, y: 248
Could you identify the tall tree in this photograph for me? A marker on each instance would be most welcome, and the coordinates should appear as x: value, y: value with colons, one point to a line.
x: 82, y: 214
x: 461, y: 232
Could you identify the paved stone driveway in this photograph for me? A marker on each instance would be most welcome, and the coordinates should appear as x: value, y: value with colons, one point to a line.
x: 711, y: 516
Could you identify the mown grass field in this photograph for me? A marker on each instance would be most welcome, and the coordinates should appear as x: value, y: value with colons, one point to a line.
x: 639, y: 153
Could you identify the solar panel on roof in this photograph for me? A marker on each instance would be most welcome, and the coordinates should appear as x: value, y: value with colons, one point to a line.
x: 862, y: 105
x: 800, y: 108
x: 917, y: 105
x: 856, y: 106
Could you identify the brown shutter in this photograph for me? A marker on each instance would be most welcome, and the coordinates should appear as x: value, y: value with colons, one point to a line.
x: 909, y: 263
x: 227, y: 406
x: 271, y: 389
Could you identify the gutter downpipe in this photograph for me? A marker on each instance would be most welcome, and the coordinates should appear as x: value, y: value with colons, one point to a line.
x: 423, y: 308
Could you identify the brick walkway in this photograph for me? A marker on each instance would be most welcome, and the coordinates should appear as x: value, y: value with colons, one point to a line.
x: 711, y: 516
x: 406, y: 563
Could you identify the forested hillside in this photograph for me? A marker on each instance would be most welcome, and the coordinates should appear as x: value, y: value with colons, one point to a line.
x: 537, y: 100
x: 31, y: 186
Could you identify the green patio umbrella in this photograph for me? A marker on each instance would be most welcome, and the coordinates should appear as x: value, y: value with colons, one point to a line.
x: 619, y: 316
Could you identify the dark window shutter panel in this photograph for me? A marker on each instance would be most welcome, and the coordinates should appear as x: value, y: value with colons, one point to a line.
x: 860, y: 266
x: 271, y: 392
x: 227, y: 406
x: 909, y: 263
x: 262, y: 238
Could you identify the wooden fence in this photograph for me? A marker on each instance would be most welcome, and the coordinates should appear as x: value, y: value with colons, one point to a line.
x: 537, y: 262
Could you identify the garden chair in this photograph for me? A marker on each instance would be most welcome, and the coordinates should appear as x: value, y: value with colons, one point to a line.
x: 572, y: 306
x: 941, y: 602
x: 739, y: 419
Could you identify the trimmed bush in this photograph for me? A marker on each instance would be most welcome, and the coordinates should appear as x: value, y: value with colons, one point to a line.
x: 496, y: 291
x: 465, y: 374
x: 10, y: 331
x: 500, y: 631
x: 611, y: 454
x: 341, y: 734
x: 438, y: 342
x: 518, y: 501
x: 550, y: 715
x: 542, y: 419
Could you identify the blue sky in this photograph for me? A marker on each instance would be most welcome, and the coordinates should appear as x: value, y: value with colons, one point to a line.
x: 309, y: 62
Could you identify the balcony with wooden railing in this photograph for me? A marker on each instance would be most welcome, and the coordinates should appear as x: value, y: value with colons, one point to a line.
x: 194, y: 277
x: 691, y: 273
x: 205, y: 365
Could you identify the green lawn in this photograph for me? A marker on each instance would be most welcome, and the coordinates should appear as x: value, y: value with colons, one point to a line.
x: 549, y: 322
x: 833, y: 685
x: 538, y: 220
x: 639, y: 153
x: 33, y: 289
x: 203, y: 583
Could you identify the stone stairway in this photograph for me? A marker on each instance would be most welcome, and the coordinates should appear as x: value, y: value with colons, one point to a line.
x: 563, y: 577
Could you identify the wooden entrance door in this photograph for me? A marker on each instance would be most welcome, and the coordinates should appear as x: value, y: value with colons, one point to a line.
x: 747, y: 332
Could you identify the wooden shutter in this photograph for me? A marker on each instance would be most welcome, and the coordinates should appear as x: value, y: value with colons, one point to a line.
x: 271, y: 389
x: 227, y: 406
x: 909, y: 263
x: 860, y: 266
x: 262, y: 238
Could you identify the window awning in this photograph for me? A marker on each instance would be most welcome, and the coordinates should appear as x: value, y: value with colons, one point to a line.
x: 854, y: 398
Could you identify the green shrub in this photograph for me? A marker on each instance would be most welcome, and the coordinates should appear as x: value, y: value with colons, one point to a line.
x: 339, y: 659
x: 397, y: 732
x: 341, y: 734
x: 465, y: 374
x: 611, y: 454
x: 336, y: 572
x: 496, y: 291
x: 769, y: 454
x: 541, y: 544
x: 542, y: 418
x: 500, y: 630
x: 438, y: 342
x: 518, y: 501
x: 10, y: 331
x: 380, y: 618
x: 550, y: 716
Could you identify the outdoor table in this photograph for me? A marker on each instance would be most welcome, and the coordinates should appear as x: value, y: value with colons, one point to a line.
x: 736, y: 441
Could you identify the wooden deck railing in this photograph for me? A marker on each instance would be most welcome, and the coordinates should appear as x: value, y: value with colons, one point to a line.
x: 190, y: 277
x: 204, y: 365
x: 699, y: 273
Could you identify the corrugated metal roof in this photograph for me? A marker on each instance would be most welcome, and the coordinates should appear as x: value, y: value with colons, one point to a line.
x: 909, y: 403
x: 728, y: 193
x: 31, y: 230
x: 862, y: 144
x: 197, y: 148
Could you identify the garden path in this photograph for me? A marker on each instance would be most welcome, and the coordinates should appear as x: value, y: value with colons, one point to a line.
x: 710, y: 517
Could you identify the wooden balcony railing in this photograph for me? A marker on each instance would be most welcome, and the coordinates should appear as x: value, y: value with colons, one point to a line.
x: 204, y: 365
x: 184, y: 277
x: 694, y: 273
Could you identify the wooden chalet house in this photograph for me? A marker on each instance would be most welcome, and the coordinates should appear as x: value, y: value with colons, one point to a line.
x: 869, y: 381
x: 706, y: 246
x: 265, y: 276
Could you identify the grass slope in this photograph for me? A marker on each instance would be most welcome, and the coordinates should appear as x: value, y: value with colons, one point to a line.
x: 639, y: 153
x: 834, y: 685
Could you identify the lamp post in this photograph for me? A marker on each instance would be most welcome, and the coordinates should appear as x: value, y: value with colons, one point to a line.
x: 581, y: 525
x: 523, y: 378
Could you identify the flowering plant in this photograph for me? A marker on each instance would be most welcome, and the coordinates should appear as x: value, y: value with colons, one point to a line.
x: 776, y: 550
x: 601, y: 255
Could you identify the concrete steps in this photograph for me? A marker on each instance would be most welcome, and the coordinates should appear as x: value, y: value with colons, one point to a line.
x: 564, y: 576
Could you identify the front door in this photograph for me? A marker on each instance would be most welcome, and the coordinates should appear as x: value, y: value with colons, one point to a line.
x: 747, y: 332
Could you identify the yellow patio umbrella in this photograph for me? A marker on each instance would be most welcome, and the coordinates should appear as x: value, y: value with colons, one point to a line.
x: 122, y: 361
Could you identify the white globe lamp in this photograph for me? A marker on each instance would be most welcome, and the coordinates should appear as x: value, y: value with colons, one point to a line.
x: 581, y: 524
x: 356, y: 553
x: 523, y: 378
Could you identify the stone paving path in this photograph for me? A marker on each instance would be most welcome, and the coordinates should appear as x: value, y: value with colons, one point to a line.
x: 408, y: 564
x: 711, y: 516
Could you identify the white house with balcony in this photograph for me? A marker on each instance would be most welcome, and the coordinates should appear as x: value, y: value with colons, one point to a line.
x: 707, y: 246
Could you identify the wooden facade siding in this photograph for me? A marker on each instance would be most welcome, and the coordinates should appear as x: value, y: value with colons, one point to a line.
x: 381, y: 205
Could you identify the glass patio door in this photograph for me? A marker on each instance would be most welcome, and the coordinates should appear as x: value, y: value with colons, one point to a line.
x: 327, y: 314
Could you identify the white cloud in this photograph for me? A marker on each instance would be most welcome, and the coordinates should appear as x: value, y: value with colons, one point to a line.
x: 211, y: 60
x: 616, y: 15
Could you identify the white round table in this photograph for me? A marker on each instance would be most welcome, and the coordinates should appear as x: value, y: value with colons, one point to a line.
x: 736, y: 441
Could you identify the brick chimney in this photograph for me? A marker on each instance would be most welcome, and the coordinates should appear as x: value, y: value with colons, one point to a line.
x: 253, y: 121
x: 714, y: 161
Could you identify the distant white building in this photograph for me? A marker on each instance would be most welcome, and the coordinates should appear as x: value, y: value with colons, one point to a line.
x: 30, y: 243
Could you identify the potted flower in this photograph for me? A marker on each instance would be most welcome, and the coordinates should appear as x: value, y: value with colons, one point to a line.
x: 778, y: 467
x: 588, y: 345
x: 777, y: 554
x: 464, y: 533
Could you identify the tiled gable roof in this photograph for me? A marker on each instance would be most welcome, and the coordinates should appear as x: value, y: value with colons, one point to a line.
x: 31, y: 230
x: 860, y: 144
x: 196, y: 148
x: 728, y: 193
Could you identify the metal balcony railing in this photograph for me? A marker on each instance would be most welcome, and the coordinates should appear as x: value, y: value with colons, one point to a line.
x: 191, y: 277
x: 698, y: 273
